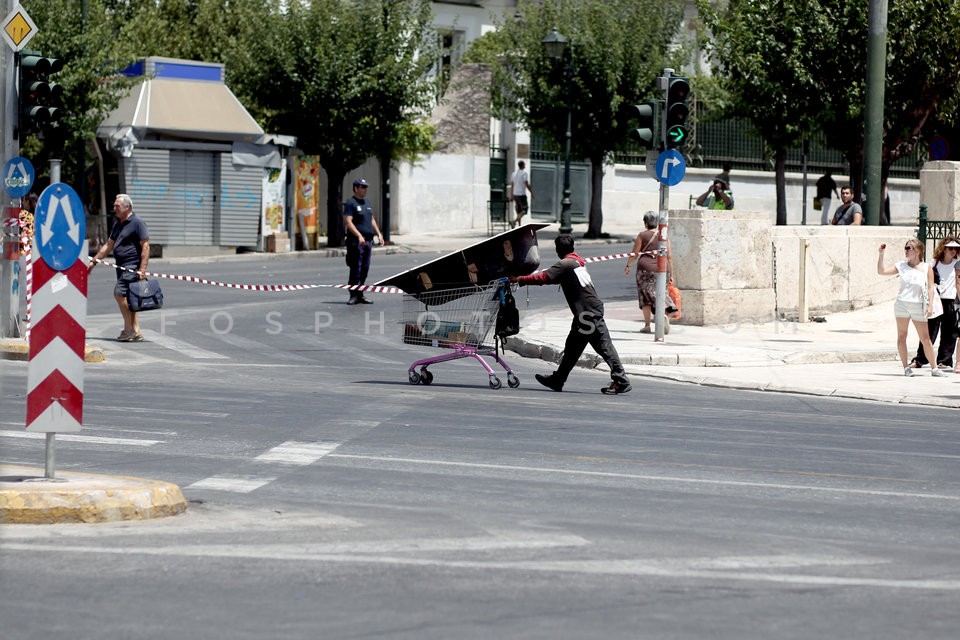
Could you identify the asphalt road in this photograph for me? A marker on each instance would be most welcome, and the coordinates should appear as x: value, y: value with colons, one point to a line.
x: 332, y: 499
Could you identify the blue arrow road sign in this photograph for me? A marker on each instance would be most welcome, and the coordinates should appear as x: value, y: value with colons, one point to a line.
x: 61, y: 226
x: 18, y: 177
x: 671, y: 167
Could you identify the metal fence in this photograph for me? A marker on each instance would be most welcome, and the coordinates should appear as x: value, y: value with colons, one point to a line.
x: 735, y: 141
x: 935, y: 230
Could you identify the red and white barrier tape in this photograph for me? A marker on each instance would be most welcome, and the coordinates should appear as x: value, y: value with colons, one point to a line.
x: 28, y: 278
x: 257, y: 287
x: 618, y: 256
x: 303, y: 287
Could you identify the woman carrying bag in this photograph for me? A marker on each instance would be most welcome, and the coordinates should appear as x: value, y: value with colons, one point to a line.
x: 647, y: 271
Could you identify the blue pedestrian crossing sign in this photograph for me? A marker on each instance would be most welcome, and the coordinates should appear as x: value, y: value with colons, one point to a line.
x: 671, y: 167
x: 18, y: 176
x: 60, y: 226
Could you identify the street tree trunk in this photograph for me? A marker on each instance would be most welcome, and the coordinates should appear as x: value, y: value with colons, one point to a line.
x: 595, y: 224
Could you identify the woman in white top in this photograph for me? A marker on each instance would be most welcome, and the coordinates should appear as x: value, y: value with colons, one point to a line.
x: 944, y: 325
x: 914, y: 301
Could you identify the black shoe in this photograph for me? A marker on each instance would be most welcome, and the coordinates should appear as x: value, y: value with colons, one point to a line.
x: 364, y: 300
x: 549, y: 381
x: 353, y: 301
x: 616, y: 388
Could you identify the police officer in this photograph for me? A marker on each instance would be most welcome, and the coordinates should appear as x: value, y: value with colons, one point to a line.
x: 361, y: 228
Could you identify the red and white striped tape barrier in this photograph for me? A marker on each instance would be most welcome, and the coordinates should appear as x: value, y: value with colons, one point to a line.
x: 370, y: 288
x: 28, y: 275
x: 256, y: 287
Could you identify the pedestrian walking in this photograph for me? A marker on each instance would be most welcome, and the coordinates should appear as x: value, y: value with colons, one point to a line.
x: 915, y: 301
x: 588, y: 326
x: 519, y: 188
x: 361, y: 228
x: 129, y: 242
x: 945, y: 324
x: 826, y: 189
x: 647, y: 270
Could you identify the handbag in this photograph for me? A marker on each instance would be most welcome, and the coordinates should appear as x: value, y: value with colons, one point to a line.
x: 144, y: 295
x: 673, y: 306
x: 817, y: 204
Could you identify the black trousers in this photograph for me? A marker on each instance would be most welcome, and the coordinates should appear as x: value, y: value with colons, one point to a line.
x: 590, y: 329
x: 945, y: 326
x: 358, y: 260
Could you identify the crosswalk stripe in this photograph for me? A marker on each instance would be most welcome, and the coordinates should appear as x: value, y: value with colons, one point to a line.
x: 234, y: 484
x: 183, y: 348
x: 299, y: 453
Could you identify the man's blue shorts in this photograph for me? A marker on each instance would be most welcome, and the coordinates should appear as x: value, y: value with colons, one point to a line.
x: 124, y: 278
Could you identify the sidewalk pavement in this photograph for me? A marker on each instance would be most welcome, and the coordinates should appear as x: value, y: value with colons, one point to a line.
x: 850, y: 355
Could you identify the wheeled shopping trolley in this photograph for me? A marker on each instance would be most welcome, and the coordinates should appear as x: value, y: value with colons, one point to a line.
x: 461, y: 320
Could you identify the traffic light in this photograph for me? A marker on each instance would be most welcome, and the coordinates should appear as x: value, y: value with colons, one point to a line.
x: 678, y: 90
x: 39, y: 97
x: 645, y: 115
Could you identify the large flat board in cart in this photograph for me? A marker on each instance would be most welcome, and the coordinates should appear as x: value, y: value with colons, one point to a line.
x: 511, y: 253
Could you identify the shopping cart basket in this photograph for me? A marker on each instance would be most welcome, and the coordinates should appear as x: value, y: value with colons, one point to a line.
x: 459, y: 319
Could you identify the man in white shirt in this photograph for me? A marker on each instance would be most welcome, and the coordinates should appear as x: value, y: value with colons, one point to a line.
x: 519, y: 188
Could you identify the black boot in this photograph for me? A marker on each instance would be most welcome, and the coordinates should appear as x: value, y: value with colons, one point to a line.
x: 551, y: 382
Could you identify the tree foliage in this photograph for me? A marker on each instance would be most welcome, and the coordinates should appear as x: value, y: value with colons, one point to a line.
x: 618, y: 48
x: 93, y: 48
x: 794, y: 67
x: 351, y: 79
x: 771, y: 69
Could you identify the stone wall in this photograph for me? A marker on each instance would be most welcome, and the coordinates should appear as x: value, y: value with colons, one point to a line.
x: 940, y: 189
x: 841, y: 272
x: 737, y: 266
x: 724, y: 265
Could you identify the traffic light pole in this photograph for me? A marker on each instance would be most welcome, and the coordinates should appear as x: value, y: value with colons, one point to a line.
x: 9, y: 276
x: 659, y: 312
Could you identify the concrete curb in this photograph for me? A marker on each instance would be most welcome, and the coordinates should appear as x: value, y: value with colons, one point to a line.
x: 529, y: 348
x: 16, y: 350
x: 27, y: 497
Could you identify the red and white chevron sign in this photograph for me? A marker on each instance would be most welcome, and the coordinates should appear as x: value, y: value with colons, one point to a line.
x: 57, y: 340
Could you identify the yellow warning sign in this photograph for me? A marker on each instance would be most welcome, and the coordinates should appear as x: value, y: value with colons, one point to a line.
x: 18, y: 28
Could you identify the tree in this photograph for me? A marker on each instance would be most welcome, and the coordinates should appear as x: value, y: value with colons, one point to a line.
x: 93, y: 49
x: 813, y: 56
x: 350, y: 79
x: 618, y: 48
x: 769, y: 66
x: 922, y: 77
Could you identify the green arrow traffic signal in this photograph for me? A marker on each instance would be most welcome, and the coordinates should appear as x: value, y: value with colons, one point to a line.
x: 678, y: 91
x: 676, y: 136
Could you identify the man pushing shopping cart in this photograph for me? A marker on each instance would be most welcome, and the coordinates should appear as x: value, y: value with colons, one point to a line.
x: 588, y: 326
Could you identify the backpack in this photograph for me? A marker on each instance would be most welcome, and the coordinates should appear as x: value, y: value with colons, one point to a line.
x: 508, y: 316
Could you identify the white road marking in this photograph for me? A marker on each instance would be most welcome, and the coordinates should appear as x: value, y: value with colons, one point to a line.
x: 654, y: 478
x: 299, y: 453
x: 183, y: 348
x: 743, y: 569
x: 233, y: 484
x: 66, y: 437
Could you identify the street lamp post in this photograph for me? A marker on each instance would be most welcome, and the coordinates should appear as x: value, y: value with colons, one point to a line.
x: 558, y: 49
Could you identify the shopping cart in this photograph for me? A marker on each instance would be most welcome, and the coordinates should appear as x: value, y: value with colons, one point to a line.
x: 460, y: 319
